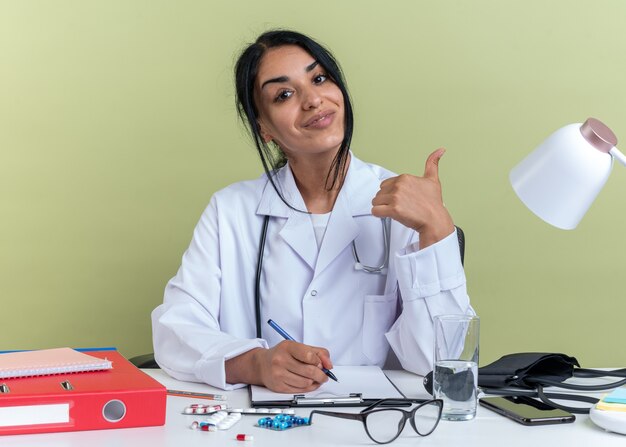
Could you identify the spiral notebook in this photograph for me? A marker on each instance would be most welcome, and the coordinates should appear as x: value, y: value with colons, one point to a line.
x: 47, y: 362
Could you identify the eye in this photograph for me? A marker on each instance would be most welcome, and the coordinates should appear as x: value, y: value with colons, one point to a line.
x: 283, y: 95
x: 320, y: 78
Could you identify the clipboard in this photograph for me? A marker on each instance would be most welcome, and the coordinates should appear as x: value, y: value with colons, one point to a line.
x: 370, y: 381
x: 300, y: 400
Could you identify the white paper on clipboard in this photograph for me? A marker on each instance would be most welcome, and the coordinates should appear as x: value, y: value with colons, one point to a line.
x: 369, y: 381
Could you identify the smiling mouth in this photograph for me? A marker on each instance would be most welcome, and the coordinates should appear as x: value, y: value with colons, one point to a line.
x: 317, y: 119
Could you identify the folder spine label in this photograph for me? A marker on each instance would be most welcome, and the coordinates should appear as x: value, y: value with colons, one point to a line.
x: 16, y: 416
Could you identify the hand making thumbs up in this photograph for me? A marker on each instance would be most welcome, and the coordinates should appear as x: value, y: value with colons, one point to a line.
x: 416, y: 202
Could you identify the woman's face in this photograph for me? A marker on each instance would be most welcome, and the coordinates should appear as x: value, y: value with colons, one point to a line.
x: 300, y: 108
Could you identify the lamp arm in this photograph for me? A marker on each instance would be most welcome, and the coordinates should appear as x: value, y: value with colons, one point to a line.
x: 617, y: 154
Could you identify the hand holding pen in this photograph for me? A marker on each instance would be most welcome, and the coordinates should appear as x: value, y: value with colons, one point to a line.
x: 286, y: 336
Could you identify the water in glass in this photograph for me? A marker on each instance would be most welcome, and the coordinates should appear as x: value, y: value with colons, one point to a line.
x: 455, y: 382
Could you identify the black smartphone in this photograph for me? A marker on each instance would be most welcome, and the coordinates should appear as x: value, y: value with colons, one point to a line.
x: 527, y: 410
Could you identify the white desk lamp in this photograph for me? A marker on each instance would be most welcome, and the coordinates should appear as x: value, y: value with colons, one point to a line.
x: 560, y: 179
x: 558, y: 182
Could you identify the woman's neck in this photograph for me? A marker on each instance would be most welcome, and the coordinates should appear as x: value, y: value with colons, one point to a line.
x: 312, y: 179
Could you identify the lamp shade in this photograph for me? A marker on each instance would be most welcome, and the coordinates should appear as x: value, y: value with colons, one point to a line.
x: 560, y: 179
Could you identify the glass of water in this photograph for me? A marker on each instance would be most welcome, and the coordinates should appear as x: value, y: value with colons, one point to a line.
x: 455, y: 370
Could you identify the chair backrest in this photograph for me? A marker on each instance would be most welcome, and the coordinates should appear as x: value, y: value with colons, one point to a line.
x: 461, y: 236
x: 144, y: 361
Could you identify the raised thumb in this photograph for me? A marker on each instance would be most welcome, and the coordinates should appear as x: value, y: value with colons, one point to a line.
x: 431, y: 170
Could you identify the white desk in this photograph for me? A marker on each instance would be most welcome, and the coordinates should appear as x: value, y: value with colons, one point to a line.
x: 486, y: 430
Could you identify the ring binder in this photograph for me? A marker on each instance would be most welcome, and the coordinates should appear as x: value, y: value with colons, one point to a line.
x: 120, y: 397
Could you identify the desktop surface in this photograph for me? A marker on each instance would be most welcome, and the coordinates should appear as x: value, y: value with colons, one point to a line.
x: 487, y: 429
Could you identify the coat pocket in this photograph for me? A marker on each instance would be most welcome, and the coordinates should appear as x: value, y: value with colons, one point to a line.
x: 379, y: 314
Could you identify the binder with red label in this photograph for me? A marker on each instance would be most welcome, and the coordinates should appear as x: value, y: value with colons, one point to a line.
x: 120, y: 397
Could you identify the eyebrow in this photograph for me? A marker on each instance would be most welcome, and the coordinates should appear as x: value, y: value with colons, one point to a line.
x: 280, y: 79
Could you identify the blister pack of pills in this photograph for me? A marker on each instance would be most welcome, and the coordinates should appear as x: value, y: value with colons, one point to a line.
x: 204, y: 409
x: 196, y: 409
x: 220, y: 420
x: 283, y: 422
x: 257, y: 411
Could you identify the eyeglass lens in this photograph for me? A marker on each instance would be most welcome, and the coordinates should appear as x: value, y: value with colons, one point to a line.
x: 383, y: 425
x: 426, y: 418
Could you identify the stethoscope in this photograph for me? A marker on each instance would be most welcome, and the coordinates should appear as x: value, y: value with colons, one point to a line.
x: 366, y: 268
x: 358, y: 265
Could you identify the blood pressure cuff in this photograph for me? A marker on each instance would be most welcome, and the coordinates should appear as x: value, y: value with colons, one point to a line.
x: 520, y: 370
x: 525, y: 374
x: 525, y: 369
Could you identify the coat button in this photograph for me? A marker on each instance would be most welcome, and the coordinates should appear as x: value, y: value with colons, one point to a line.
x: 313, y: 292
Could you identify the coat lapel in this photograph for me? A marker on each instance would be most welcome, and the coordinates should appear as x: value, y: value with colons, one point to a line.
x: 354, y: 199
x: 297, y: 230
x: 341, y: 231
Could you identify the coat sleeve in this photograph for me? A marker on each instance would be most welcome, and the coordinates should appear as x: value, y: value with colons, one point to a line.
x: 431, y: 282
x: 188, y: 342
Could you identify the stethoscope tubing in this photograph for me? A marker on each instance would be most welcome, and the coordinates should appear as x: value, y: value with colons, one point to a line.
x: 257, y: 282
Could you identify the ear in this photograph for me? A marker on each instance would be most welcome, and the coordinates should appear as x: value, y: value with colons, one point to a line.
x: 264, y: 133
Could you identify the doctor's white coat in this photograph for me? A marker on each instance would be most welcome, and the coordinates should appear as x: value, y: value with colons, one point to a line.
x: 316, y: 295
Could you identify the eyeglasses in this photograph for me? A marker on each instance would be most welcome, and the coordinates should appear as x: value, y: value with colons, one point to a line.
x: 384, y: 423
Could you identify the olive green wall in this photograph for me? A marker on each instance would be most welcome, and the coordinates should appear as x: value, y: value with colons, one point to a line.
x: 117, y: 123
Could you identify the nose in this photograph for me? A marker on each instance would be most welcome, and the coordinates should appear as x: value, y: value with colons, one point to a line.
x: 311, y: 99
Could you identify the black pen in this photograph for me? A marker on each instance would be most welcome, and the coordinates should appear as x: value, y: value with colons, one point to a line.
x: 286, y: 336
